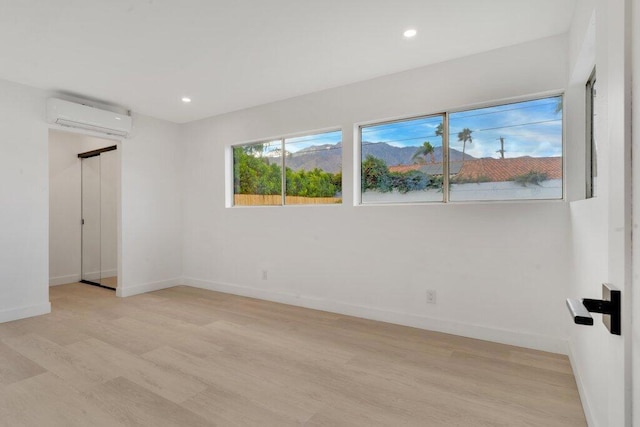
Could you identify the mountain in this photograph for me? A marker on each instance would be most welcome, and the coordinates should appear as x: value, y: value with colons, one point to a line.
x: 328, y: 157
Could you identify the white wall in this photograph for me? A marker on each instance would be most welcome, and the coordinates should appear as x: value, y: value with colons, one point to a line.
x: 65, y: 204
x: 151, y: 206
x: 151, y: 199
x: 25, y: 205
x: 499, y: 269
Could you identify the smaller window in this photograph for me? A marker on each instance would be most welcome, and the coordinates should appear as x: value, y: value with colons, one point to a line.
x: 308, y: 167
x: 402, y: 161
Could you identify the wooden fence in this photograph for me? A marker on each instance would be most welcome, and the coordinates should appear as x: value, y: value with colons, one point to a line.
x: 266, y: 200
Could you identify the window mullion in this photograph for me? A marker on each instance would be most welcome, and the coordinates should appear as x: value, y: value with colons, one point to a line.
x: 445, y: 157
x: 283, y: 186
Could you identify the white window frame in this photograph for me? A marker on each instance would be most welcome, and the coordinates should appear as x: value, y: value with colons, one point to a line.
x: 357, y: 188
x: 229, y: 162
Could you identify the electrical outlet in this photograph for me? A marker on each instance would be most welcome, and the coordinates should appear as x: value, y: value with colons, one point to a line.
x: 431, y: 296
x: 264, y: 274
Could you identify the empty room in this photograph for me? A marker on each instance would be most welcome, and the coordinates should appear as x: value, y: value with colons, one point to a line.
x: 320, y: 213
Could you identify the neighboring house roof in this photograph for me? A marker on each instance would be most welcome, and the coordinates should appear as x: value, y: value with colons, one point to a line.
x: 493, y: 169
x: 428, y: 169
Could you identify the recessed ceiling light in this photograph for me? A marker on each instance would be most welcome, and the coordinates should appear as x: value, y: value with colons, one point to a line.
x: 410, y: 33
x: 186, y: 100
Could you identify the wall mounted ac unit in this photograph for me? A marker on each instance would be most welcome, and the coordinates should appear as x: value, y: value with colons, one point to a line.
x: 80, y: 116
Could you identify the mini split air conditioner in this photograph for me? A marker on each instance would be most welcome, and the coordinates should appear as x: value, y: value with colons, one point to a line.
x: 80, y: 116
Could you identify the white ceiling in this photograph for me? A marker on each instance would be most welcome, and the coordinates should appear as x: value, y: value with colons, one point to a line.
x: 233, y: 54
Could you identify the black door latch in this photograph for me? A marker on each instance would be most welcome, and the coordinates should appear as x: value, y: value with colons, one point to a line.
x: 609, y: 306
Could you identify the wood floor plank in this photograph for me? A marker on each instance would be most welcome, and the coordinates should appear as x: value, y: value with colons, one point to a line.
x: 45, y: 400
x: 279, y: 398
x: 164, y: 383
x: 184, y: 356
x: 226, y: 407
x: 16, y: 367
x: 133, y: 405
x: 78, y: 372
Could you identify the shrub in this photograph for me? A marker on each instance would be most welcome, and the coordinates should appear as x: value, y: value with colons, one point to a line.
x: 531, y: 177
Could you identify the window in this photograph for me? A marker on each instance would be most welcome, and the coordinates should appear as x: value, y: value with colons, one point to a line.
x: 507, y: 152
x: 402, y: 161
x: 592, y: 157
x: 503, y: 152
x: 312, y: 166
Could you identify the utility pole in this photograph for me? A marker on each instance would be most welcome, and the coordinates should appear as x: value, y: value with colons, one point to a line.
x: 501, y: 150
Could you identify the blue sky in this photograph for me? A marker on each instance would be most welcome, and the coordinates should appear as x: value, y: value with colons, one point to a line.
x: 530, y: 128
x: 301, y: 142
x: 405, y: 133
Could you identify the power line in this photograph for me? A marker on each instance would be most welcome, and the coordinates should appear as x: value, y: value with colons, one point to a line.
x: 520, y: 124
x: 414, y: 122
x: 422, y: 137
x: 498, y: 111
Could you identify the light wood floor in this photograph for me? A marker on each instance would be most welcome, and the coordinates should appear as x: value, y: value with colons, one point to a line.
x: 188, y: 357
x: 111, y: 282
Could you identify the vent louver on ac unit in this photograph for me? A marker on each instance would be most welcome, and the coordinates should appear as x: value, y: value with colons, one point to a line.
x: 80, y: 116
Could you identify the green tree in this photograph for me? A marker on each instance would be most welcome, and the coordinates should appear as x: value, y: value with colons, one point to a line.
x: 440, y: 130
x: 253, y: 175
x: 337, y: 181
x: 375, y: 175
x: 425, y: 150
x: 314, y: 183
x: 464, y: 136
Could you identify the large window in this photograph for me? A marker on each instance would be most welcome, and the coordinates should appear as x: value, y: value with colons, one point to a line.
x: 309, y: 168
x: 402, y: 161
x: 503, y: 152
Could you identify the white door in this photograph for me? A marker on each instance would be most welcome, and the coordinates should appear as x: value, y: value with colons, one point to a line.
x: 614, y: 53
x: 602, y: 227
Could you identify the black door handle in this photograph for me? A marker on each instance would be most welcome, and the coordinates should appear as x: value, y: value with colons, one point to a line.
x: 609, y: 306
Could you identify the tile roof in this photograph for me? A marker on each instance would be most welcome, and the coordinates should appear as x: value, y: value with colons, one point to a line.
x: 494, y: 170
x: 405, y: 168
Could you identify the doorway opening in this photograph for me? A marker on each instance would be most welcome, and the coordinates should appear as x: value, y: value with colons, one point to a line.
x: 84, y: 200
x: 99, y: 250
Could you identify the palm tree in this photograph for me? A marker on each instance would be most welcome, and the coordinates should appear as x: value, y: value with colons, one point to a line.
x: 439, y: 130
x: 464, y: 136
x: 425, y: 150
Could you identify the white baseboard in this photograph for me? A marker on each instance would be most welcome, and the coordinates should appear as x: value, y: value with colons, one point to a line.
x: 503, y: 336
x: 24, y: 312
x: 97, y: 275
x: 582, y: 391
x: 128, y: 291
x: 73, y: 278
x: 63, y: 280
